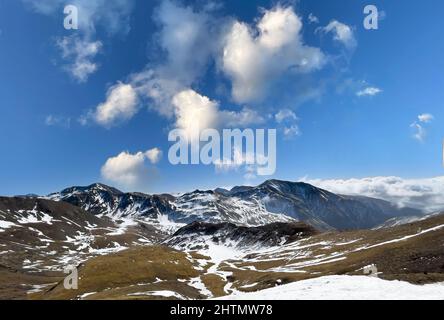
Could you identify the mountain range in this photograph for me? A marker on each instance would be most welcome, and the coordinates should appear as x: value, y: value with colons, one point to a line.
x: 272, y: 201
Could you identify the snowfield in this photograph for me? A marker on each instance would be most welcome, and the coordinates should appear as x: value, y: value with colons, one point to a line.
x: 345, y: 288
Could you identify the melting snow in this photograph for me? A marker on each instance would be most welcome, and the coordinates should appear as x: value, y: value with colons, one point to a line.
x: 345, y: 288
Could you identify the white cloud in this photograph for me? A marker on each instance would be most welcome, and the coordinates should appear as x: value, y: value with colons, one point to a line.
x: 425, y: 194
x: 79, y: 54
x: 341, y: 33
x: 253, y: 61
x: 313, y: 19
x: 239, y: 119
x: 420, y: 132
x: 187, y: 38
x: 285, y: 115
x: 128, y: 170
x: 369, y: 91
x: 426, y: 117
x: 289, y: 119
x: 79, y: 50
x: 154, y: 155
x: 57, y: 121
x: 195, y: 112
x: 292, y: 131
x: 121, y: 105
x: 418, y: 126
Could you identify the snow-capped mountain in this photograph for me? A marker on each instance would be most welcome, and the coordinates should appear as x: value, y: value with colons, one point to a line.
x: 273, y: 201
x: 320, y: 208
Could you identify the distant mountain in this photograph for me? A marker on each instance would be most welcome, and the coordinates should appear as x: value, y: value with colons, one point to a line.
x: 273, y: 201
x: 199, y: 205
x: 320, y: 208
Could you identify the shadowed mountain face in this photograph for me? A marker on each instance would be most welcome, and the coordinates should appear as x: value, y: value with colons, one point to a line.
x: 270, y: 202
x: 198, y: 235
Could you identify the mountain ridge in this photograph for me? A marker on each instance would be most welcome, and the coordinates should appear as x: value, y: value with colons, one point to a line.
x: 269, y: 202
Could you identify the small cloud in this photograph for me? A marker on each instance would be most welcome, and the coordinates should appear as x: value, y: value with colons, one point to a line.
x: 154, y: 155
x: 288, y: 119
x: 313, y: 19
x: 57, y: 121
x: 341, y: 33
x: 292, y: 131
x: 121, y: 105
x: 420, y: 132
x: 79, y: 55
x: 285, y: 115
x: 368, y: 92
x: 426, y: 117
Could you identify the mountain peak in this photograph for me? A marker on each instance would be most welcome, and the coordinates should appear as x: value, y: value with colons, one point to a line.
x: 91, y: 188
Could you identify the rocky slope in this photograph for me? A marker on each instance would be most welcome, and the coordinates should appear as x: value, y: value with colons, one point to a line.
x: 41, y: 238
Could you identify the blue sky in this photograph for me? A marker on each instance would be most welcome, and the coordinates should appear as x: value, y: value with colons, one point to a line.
x: 369, y: 103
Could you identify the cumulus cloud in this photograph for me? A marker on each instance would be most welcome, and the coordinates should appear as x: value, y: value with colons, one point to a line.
x: 195, y: 112
x: 253, y: 57
x: 188, y: 40
x: 369, y: 91
x: 341, y: 33
x: 424, y: 194
x: 57, y: 121
x: 121, y: 105
x: 129, y: 170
